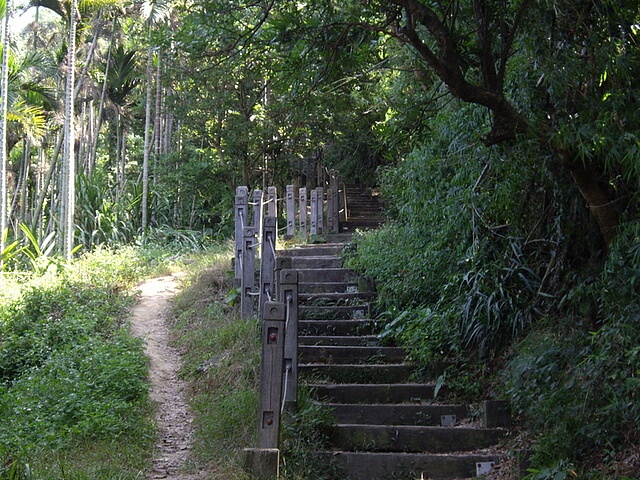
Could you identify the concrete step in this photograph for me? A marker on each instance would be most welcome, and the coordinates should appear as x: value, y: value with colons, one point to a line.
x: 412, y: 438
x: 354, y: 223
x: 332, y: 298
x: 404, y: 466
x: 339, y: 354
x: 339, y: 340
x: 339, y: 237
x: 320, y: 275
x: 328, y: 287
x: 374, y: 393
x: 327, y: 312
x: 353, y: 327
x: 397, y: 414
x: 332, y: 249
x: 347, y: 373
x: 316, y: 262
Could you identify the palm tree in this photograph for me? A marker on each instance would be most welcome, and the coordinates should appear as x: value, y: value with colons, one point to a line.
x: 120, y: 82
x: 68, y: 217
x: 4, y: 86
x: 154, y: 12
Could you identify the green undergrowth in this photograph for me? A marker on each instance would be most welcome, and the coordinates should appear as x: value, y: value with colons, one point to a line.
x: 73, y: 382
x: 221, y: 355
x: 305, y: 431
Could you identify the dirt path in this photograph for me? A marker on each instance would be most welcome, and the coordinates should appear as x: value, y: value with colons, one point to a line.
x: 149, y: 321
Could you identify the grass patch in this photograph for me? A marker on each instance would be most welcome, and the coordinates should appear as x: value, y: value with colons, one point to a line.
x: 221, y: 355
x: 73, y: 382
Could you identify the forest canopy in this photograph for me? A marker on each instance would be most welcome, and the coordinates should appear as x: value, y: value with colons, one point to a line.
x: 503, y: 135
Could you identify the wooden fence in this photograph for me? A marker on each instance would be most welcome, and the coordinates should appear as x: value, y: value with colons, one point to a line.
x: 271, y: 293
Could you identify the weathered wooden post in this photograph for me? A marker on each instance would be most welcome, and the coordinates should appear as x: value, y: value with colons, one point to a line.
x: 272, y: 202
x: 271, y: 373
x: 264, y: 462
x: 258, y: 207
x: 288, y: 295
x: 247, y: 260
x: 291, y: 212
x: 320, y: 220
x: 282, y: 263
x: 313, y: 230
x: 268, y: 262
x: 240, y: 213
x: 329, y: 210
x: 303, y: 212
x: 334, y: 201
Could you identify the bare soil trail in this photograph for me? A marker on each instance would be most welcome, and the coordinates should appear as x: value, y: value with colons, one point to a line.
x: 150, y: 321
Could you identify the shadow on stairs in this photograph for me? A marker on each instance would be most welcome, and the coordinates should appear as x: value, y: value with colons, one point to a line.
x: 386, y: 424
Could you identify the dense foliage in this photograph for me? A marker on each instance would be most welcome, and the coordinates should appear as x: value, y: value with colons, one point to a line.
x: 70, y: 374
x: 504, y: 136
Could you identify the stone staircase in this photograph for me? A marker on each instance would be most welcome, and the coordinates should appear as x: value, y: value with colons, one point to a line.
x: 363, y: 210
x: 387, y: 425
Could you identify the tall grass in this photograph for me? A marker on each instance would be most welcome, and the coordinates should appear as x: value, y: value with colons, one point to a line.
x: 221, y: 358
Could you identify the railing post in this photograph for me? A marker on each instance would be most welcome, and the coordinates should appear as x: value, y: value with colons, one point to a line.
x: 288, y: 295
x: 320, y: 220
x: 272, y: 202
x: 334, y: 201
x: 258, y: 206
x: 314, y: 212
x: 271, y: 372
x: 303, y: 212
x: 329, y: 210
x: 248, y: 259
x: 282, y: 263
x: 241, y: 221
x: 291, y: 212
x: 268, y: 262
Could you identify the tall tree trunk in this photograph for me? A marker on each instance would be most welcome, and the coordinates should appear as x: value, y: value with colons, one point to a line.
x: 24, y: 187
x: 44, y: 188
x: 147, y: 141
x: 599, y: 204
x: 103, y: 96
x: 119, y: 154
x: 4, y: 86
x: 157, y: 135
x: 69, y: 139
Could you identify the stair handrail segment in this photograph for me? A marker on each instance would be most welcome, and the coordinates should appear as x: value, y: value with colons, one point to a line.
x: 304, y: 214
x: 291, y: 212
x: 271, y: 374
x: 308, y: 219
x: 258, y: 215
x: 268, y: 262
x: 247, y: 262
x: 288, y: 295
x: 241, y: 208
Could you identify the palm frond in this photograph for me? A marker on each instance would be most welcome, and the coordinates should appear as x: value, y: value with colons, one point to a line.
x: 31, y: 118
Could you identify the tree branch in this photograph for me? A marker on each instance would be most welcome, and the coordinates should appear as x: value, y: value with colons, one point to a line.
x: 447, y: 64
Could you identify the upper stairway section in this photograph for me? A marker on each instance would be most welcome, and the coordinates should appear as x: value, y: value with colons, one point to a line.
x: 363, y: 208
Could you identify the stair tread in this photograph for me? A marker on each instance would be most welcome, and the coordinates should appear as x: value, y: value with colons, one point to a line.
x: 407, y: 465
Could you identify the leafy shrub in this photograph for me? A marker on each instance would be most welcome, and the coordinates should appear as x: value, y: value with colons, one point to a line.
x: 467, y: 261
x: 69, y: 371
x: 91, y: 389
x: 577, y: 389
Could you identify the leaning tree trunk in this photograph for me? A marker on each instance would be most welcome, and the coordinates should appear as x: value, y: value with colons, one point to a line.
x: 599, y: 204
